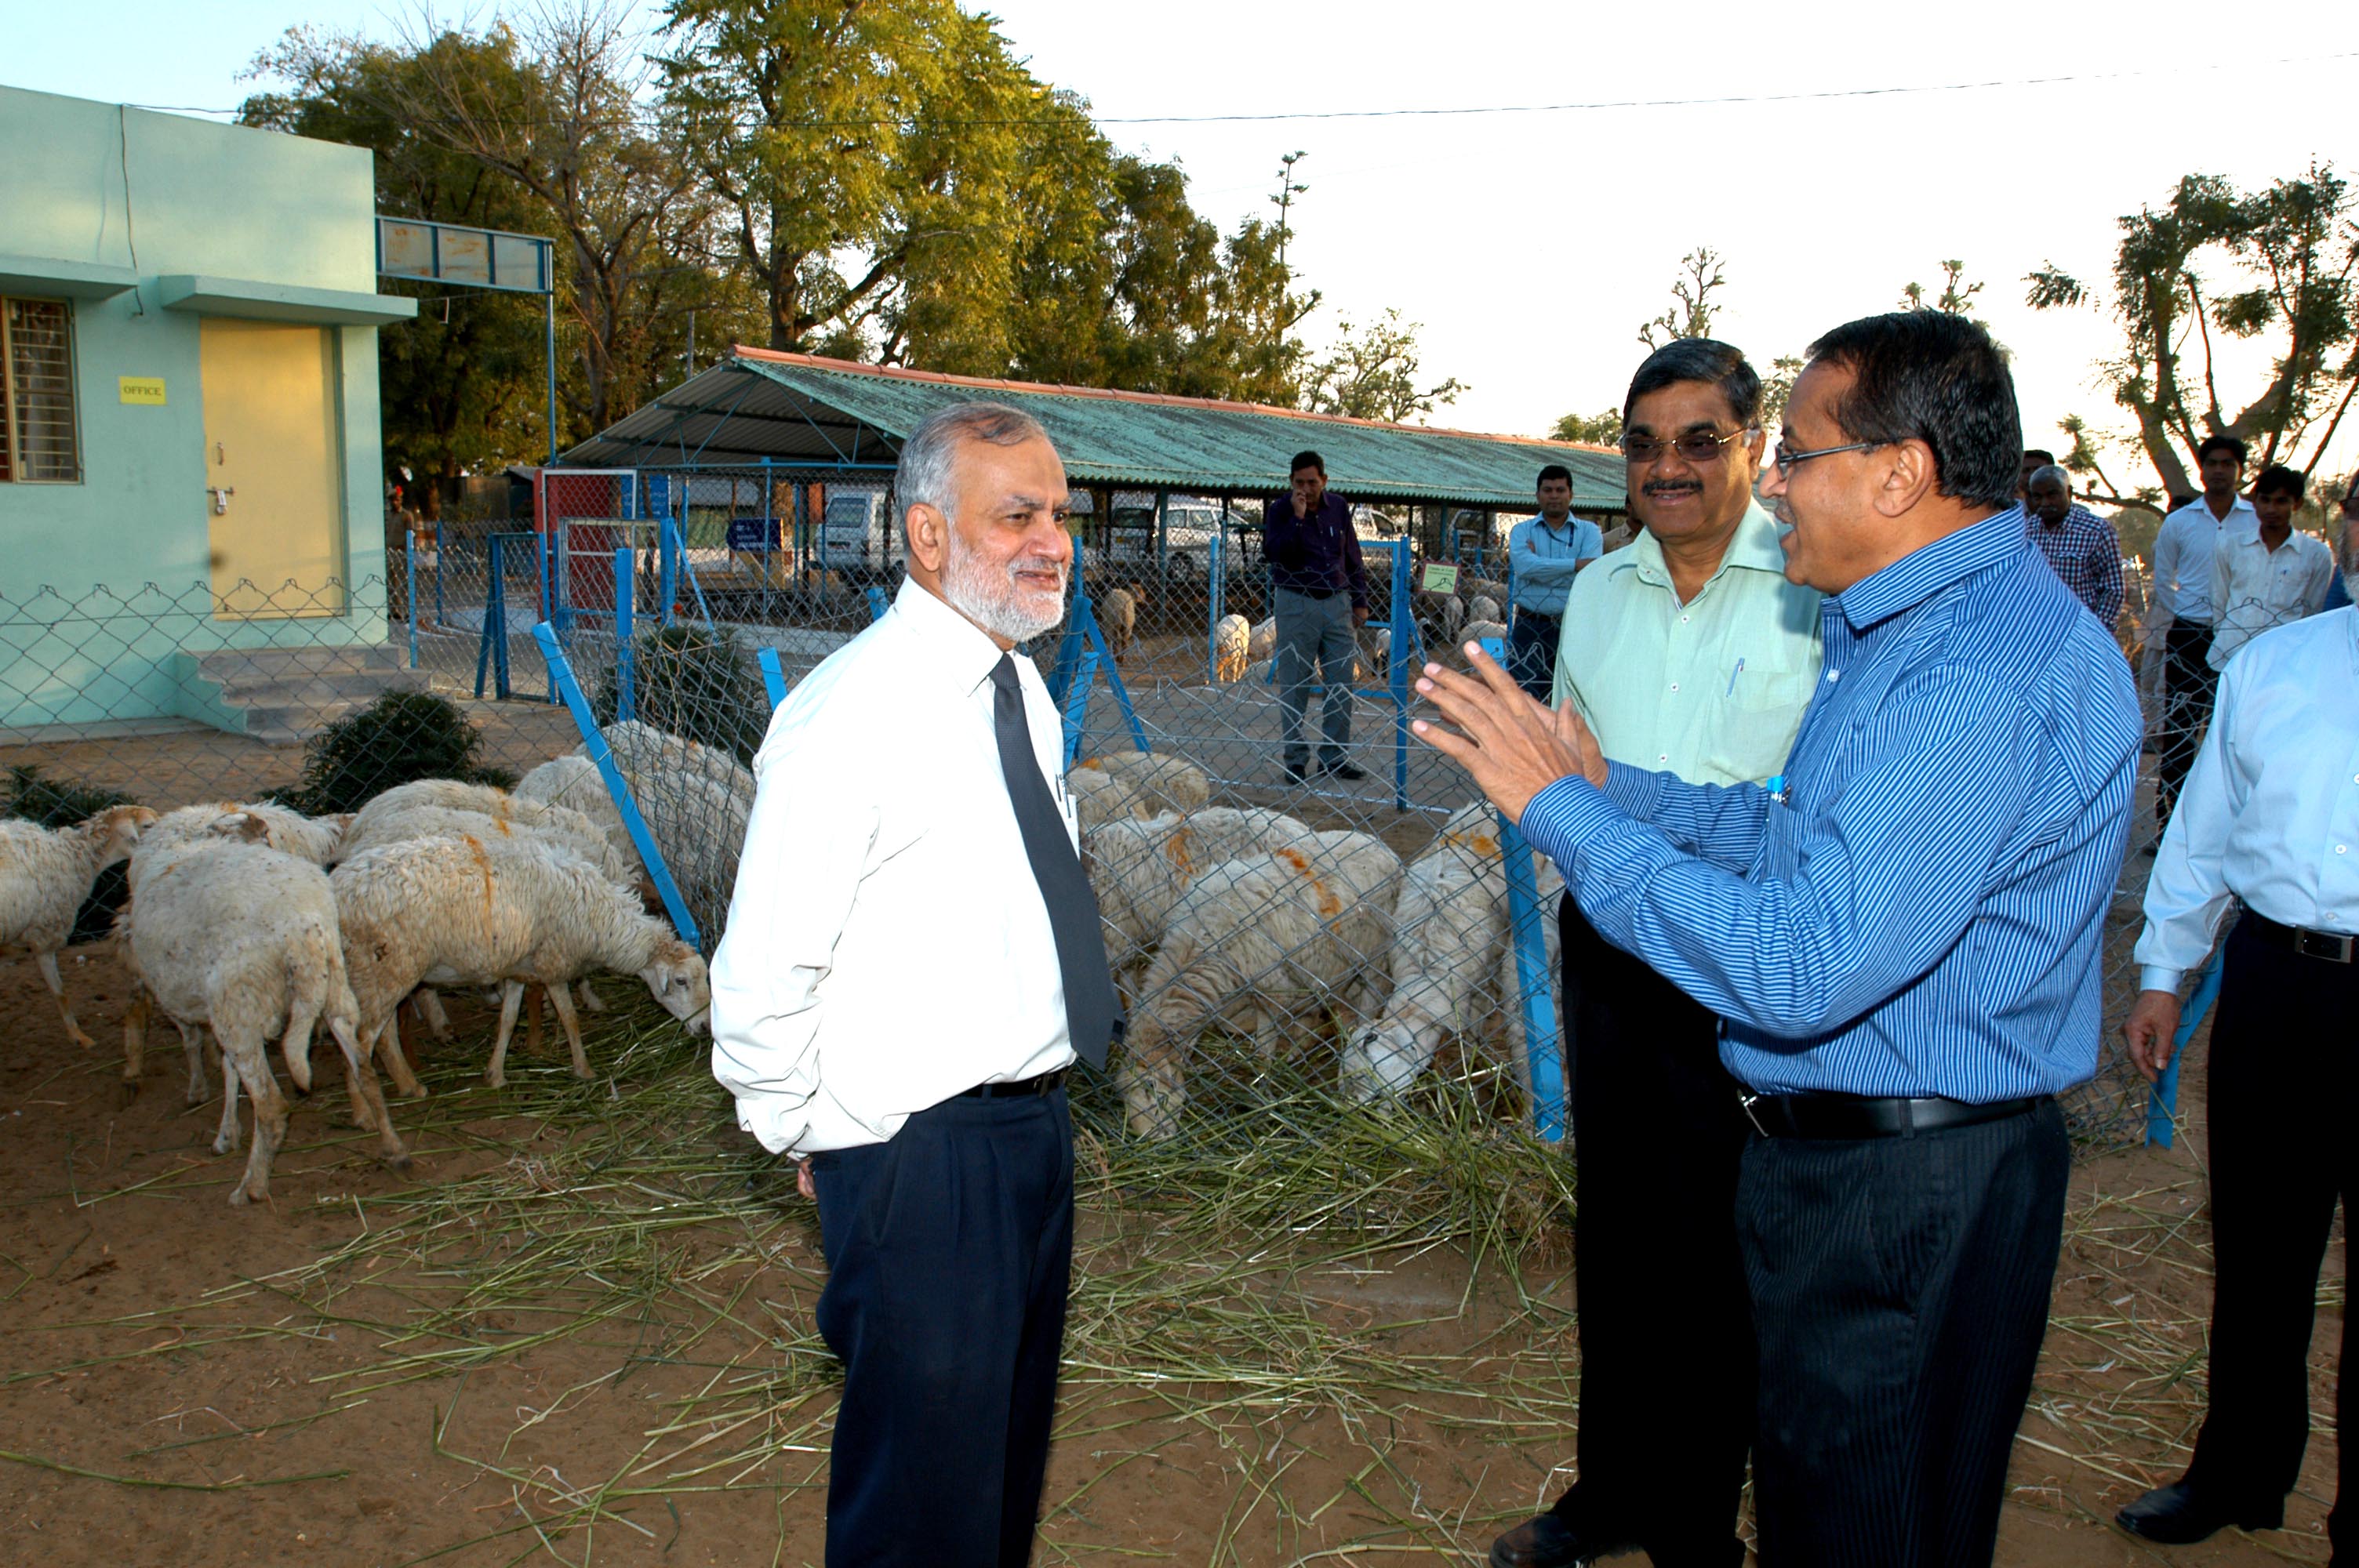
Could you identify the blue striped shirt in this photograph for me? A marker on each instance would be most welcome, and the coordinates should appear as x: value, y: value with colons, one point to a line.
x: 1922, y: 912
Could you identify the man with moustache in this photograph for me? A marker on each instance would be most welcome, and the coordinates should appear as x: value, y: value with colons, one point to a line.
x: 912, y: 962
x: 2185, y: 549
x: 1691, y: 654
x: 1902, y: 934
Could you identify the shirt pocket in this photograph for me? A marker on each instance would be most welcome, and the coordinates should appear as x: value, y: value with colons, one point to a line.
x: 1752, y: 729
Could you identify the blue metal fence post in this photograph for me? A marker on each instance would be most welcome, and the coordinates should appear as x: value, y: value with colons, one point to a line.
x: 544, y: 550
x: 774, y: 679
x: 2162, y: 1101
x: 410, y: 570
x: 492, y: 649
x: 1217, y: 574
x: 441, y: 619
x: 626, y: 584
x: 1403, y: 631
x: 876, y: 605
x: 593, y: 743
x: 1542, y: 1049
x: 1077, y: 705
x: 667, y: 571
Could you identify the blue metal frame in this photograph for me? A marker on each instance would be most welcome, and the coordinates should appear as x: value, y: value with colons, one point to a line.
x: 1551, y: 1107
x: 774, y: 679
x: 626, y: 582
x: 2162, y: 1102
x: 410, y: 570
x: 593, y: 742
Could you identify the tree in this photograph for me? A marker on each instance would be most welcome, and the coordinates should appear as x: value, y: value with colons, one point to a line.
x: 2274, y: 266
x: 1956, y: 298
x: 1602, y: 428
x: 1775, y: 388
x: 1373, y: 375
x: 1691, y: 311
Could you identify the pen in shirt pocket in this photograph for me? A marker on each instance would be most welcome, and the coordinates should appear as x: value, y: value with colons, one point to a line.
x: 1732, y: 678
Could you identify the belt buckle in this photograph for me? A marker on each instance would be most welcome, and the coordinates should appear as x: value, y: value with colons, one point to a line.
x: 2329, y: 946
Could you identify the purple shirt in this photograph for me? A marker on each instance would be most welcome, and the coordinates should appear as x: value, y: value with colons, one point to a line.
x: 1318, y: 555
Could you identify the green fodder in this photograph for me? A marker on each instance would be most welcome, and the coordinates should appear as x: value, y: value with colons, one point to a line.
x: 698, y: 682
x: 401, y: 737
x: 61, y: 803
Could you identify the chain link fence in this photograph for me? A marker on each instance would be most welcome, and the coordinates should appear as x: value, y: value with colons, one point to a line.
x: 1365, y: 933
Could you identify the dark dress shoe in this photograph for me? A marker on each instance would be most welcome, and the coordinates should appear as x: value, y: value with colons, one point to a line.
x: 1296, y: 774
x: 1351, y: 770
x: 2176, y: 1516
x: 1549, y: 1541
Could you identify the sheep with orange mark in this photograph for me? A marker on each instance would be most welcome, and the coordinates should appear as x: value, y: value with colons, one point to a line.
x: 1253, y: 944
x: 506, y: 912
x: 1135, y: 783
x: 1139, y: 867
x: 546, y: 821
x: 1446, y: 964
x: 46, y: 875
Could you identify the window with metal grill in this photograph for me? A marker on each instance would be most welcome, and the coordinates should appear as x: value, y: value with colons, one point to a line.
x: 38, y: 439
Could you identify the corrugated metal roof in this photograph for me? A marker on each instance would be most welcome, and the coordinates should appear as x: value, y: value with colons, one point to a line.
x: 759, y: 403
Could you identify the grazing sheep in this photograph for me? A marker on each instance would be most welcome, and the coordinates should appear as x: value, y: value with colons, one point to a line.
x: 1118, y: 620
x: 450, y: 793
x: 481, y: 911
x: 574, y: 780
x: 1451, y: 962
x: 640, y: 748
x: 1135, y: 783
x: 556, y: 823
x: 1231, y: 644
x: 314, y: 838
x: 46, y: 875
x: 1139, y: 866
x: 1252, y: 944
x: 1483, y: 588
x: 1483, y: 607
x: 243, y: 937
x: 1263, y: 641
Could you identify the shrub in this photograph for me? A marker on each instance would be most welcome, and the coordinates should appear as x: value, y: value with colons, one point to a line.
x: 698, y: 682
x: 400, y: 737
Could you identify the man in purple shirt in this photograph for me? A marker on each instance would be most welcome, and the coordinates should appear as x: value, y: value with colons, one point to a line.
x: 1319, y: 596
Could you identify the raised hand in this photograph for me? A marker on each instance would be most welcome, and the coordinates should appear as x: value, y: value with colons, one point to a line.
x: 1513, y: 744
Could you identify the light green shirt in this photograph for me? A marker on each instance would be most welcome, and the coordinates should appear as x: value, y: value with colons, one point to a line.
x: 1712, y: 690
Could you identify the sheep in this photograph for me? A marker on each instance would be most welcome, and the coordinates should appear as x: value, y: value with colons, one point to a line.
x: 557, y: 824
x: 1135, y: 783
x: 1262, y: 643
x: 574, y: 780
x: 1138, y: 867
x: 314, y: 838
x: 1483, y: 607
x: 46, y: 875
x: 642, y: 748
x: 1450, y: 960
x: 1483, y: 588
x: 450, y: 793
x: 1231, y: 644
x: 1374, y: 658
x: 1476, y: 631
x: 462, y: 909
x: 243, y: 938
x: 1117, y: 615
x: 1251, y: 943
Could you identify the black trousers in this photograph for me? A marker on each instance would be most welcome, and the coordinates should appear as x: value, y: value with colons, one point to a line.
x: 1667, y: 1361
x: 2282, y: 1080
x: 2189, y: 683
x: 950, y: 1249
x: 1531, y: 652
x: 1899, y: 1292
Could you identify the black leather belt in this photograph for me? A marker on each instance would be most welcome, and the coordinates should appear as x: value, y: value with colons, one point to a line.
x: 1855, y: 1116
x: 2331, y: 945
x: 1039, y: 1084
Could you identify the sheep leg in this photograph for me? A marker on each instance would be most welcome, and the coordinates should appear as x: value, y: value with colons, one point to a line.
x: 225, y: 1137
x: 532, y: 1019
x: 134, y: 1043
x: 561, y: 1000
x: 590, y: 998
x: 430, y: 1008
x: 49, y: 962
x: 369, y: 1109
x: 387, y: 1035
x: 246, y: 1053
x: 511, y: 997
x: 192, y: 1045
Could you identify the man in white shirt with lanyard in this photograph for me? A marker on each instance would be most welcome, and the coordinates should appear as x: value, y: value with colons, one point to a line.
x: 2270, y: 818
x: 1544, y: 555
x: 913, y: 960
x: 2184, y: 549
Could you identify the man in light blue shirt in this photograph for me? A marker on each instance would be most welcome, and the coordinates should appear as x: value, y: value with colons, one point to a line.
x: 1544, y: 555
x: 1903, y: 937
x: 2269, y: 818
x: 2184, y: 550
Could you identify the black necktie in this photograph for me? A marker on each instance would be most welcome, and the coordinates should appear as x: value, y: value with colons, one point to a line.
x: 1092, y: 1011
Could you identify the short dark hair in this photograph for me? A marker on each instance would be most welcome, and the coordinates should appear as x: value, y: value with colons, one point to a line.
x: 2181, y: 501
x: 2042, y: 453
x: 1698, y: 359
x: 1554, y: 471
x: 2211, y: 444
x: 1929, y: 376
x: 2279, y: 480
x: 1307, y: 461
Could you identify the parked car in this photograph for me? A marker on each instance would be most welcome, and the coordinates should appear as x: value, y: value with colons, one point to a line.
x: 1188, y: 530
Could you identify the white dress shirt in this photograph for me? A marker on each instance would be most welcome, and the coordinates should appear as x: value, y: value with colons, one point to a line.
x: 2254, y: 587
x: 888, y: 945
x: 2270, y: 812
x: 2183, y: 548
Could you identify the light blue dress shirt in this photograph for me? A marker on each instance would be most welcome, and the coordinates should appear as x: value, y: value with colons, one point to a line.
x: 1920, y: 910
x: 1542, y: 561
x: 2270, y: 812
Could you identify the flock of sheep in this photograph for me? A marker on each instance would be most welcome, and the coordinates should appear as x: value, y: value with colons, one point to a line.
x: 1247, y: 920
x: 251, y: 922
x: 1242, y: 648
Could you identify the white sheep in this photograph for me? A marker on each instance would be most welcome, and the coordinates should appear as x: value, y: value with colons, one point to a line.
x: 1475, y: 631
x: 46, y: 875
x: 314, y: 838
x: 544, y: 820
x: 1483, y: 588
x: 1262, y: 643
x: 1139, y: 866
x: 1483, y: 607
x: 1252, y: 944
x: 1135, y: 783
x: 1117, y: 616
x: 1376, y: 655
x: 451, y: 795
x: 243, y: 938
x: 1451, y: 963
x: 1231, y: 646
x: 640, y: 747
x: 504, y: 912
x: 574, y: 780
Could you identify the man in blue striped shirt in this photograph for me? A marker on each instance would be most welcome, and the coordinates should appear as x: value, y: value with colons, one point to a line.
x: 1902, y: 938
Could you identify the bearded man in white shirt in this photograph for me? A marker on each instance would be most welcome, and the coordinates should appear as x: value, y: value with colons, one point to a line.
x: 2270, y: 816
x: 913, y: 959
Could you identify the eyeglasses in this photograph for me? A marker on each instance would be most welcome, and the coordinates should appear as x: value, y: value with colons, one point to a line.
x: 1696, y: 445
x: 1785, y: 459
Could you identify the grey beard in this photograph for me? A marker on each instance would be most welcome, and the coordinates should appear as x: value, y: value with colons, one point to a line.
x: 992, y: 602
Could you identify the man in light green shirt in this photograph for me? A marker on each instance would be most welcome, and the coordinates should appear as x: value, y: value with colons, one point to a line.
x: 1687, y: 652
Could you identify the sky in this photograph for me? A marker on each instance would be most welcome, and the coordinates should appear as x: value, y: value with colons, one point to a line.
x: 1531, y: 245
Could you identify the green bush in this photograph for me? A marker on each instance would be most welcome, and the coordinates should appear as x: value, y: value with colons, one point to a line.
x: 56, y: 802
x: 401, y: 737
x: 698, y: 682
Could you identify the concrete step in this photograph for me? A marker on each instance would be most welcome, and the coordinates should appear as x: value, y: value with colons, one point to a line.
x: 284, y: 695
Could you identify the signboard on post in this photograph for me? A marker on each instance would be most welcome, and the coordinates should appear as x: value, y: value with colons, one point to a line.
x: 450, y: 252
x: 754, y: 533
x: 1439, y: 578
